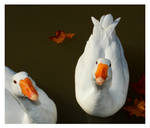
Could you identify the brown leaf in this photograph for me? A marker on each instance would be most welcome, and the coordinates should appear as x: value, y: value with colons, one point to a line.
x: 137, y: 108
x: 60, y: 36
x: 69, y: 35
x: 139, y: 86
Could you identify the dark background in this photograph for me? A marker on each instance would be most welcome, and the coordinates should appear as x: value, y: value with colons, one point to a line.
x: 52, y: 66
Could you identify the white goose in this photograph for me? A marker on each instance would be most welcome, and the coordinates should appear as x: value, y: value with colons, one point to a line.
x: 101, y: 74
x: 25, y: 102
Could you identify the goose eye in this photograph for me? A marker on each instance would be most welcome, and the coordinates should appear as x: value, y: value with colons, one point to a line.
x: 109, y: 65
x: 15, y: 81
x: 96, y: 62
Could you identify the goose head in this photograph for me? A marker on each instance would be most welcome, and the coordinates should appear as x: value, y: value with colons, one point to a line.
x: 23, y: 85
x: 102, y: 71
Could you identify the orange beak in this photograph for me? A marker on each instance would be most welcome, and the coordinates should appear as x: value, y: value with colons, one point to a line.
x: 101, y: 73
x: 28, y: 89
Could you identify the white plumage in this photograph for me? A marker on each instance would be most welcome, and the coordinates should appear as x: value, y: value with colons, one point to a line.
x: 98, y: 96
x: 19, y: 109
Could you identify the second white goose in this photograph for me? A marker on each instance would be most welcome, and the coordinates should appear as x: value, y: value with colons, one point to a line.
x: 25, y: 102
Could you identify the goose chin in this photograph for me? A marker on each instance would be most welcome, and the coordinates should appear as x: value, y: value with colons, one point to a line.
x: 100, y: 81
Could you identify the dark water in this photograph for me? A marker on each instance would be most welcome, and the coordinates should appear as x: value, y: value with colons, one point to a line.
x: 52, y: 66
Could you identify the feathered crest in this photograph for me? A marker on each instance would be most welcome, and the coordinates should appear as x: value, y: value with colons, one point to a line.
x: 103, y: 29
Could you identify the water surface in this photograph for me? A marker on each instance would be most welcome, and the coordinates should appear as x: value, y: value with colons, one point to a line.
x: 52, y: 66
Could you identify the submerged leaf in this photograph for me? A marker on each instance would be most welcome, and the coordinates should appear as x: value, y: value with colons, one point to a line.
x: 139, y: 86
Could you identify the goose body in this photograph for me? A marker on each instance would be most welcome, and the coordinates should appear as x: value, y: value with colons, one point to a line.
x: 101, y: 74
x: 18, y: 110
x: 21, y: 108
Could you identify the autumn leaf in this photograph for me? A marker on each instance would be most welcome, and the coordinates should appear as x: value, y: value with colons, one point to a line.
x: 137, y: 108
x: 69, y: 35
x: 61, y: 36
x: 139, y: 86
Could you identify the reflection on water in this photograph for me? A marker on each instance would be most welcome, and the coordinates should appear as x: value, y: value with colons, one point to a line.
x: 52, y: 66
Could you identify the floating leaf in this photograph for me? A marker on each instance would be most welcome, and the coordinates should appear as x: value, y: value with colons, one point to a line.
x: 137, y: 108
x: 60, y: 36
